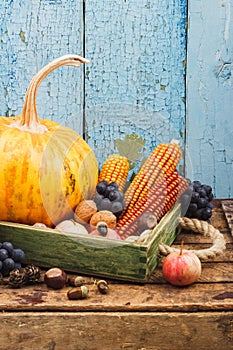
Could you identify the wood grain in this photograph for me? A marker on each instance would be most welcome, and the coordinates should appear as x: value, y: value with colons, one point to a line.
x: 33, y: 33
x: 153, y: 315
x: 205, y: 296
x: 210, y: 95
x: 228, y: 211
x: 135, y: 81
x: 100, y: 330
x: 92, y: 255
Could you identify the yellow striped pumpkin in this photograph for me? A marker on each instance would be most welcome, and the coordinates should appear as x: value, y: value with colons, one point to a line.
x: 45, y: 168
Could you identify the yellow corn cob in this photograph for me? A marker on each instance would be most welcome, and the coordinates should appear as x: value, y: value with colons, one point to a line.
x: 155, y: 171
x: 115, y: 169
x: 161, y: 200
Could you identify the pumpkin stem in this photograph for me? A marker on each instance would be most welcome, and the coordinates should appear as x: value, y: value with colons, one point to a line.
x: 29, y: 119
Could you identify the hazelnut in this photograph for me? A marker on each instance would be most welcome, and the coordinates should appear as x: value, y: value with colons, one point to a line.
x: 55, y: 278
x: 84, y: 211
x: 106, y: 216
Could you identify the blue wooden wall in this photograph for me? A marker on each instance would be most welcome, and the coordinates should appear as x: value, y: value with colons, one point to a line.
x: 209, y: 118
x: 145, y: 76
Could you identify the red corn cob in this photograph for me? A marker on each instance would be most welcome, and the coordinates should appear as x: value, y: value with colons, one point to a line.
x: 160, y: 202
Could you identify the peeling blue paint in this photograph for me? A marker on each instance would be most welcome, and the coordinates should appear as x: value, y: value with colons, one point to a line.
x: 136, y: 78
x: 210, y: 94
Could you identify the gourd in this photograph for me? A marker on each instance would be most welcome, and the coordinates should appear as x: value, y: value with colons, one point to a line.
x: 46, y: 169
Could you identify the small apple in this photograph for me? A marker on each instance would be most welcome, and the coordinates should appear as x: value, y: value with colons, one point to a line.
x: 181, y: 268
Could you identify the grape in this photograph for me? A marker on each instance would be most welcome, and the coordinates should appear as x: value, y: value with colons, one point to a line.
x: 8, y: 264
x: 202, y: 193
x: 108, y: 197
x: 117, y: 208
x: 103, y: 229
x: 201, y: 203
x: 196, y: 184
x: 5, y: 272
x: 98, y: 198
x: 200, y: 206
x: 210, y: 205
x: 10, y: 258
x: 208, y: 189
x: 108, y: 190
x: 211, y: 196
x: 114, y: 184
x: 207, y: 213
x: 105, y: 204
x: 195, y: 196
x: 17, y: 265
x: 199, y: 213
x: 8, y: 246
x: 101, y: 187
x: 18, y: 255
x: 192, y: 208
x: 114, y: 196
x: 3, y: 254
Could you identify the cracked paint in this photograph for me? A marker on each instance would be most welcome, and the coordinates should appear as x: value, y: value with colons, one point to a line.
x: 135, y: 81
x: 209, y: 132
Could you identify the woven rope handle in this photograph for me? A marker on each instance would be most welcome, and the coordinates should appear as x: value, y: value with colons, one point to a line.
x: 207, y: 230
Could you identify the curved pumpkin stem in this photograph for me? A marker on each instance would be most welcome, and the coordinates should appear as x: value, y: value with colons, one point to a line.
x: 29, y: 119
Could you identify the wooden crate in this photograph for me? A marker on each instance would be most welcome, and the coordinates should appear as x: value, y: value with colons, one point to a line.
x: 153, y: 315
x: 93, y: 255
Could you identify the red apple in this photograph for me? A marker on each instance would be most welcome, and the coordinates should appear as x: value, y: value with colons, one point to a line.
x: 181, y: 268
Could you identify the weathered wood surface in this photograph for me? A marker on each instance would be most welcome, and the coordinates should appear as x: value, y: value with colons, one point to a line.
x: 100, y: 330
x: 228, y: 210
x: 209, y: 99
x: 155, y: 315
x: 204, y: 295
x: 136, y: 79
x: 33, y: 33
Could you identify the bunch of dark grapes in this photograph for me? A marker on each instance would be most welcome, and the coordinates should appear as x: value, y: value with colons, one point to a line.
x: 109, y: 197
x: 200, y: 206
x: 10, y: 258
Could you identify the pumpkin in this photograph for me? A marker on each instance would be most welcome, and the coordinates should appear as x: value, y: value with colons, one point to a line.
x: 46, y: 169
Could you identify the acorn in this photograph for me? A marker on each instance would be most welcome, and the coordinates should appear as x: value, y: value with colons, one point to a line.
x: 102, y: 286
x: 55, y: 278
x: 76, y: 281
x: 78, y: 293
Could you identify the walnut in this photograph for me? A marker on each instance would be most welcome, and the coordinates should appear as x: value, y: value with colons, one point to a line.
x: 84, y: 211
x: 106, y: 216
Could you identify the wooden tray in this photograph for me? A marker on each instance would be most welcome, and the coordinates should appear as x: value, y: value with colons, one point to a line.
x: 97, y: 256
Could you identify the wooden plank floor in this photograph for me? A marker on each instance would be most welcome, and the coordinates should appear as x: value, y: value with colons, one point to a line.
x: 154, y: 315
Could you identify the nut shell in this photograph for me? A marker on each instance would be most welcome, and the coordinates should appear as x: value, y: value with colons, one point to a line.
x: 104, y: 215
x: 55, y: 278
x: 84, y: 211
x: 78, y: 293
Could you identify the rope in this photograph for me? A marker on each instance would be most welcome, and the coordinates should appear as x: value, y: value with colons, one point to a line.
x: 207, y: 230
